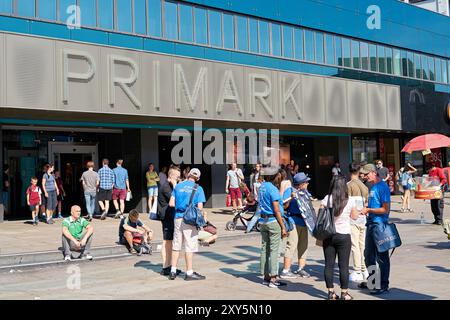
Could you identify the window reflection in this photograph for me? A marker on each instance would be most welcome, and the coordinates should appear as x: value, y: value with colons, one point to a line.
x: 397, y: 62
x: 388, y: 60
x: 170, y: 20
x: 242, y: 33
x: 346, y: 52
x: 410, y: 64
x: 106, y: 17
x: 288, y: 49
x: 124, y: 16
x: 438, y: 70
x: 381, y: 59
x: 140, y: 26
x: 355, y: 55
x: 276, y: 39
x: 264, y: 45
x: 215, y: 28
x: 6, y: 6
x: 186, y: 23
x: 364, y: 56
x: 88, y: 10
x: 309, y: 45
x: 26, y: 8
x: 46, y: 9
x: 329, y: 50
x: 154, y: 18
x: 425, y: 70
x: 418, y: 66
x: 228, y: 27
x: 320, y: 58
x: 338, y: 45
x: 298, y: 40
x: 253, y: 30
x: 201, y: 26
x: 431, y: 69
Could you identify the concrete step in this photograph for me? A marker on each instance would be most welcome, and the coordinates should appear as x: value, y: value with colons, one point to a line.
x: 46, y: 258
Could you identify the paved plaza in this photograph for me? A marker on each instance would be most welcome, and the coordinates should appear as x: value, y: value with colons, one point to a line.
x: 420, y: 269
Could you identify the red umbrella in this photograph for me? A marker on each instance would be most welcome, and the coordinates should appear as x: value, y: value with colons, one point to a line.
x: 427, y: 142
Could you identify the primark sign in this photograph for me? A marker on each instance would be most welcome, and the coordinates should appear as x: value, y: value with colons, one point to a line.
x: 59, y: 75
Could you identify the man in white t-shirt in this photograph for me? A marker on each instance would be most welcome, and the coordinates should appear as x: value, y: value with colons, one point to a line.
x: 232, y: 185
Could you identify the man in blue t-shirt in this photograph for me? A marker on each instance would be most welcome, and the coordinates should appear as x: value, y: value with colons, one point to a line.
x: 272, y: 228
x: 184, y: 233
x: 297, y: 240
x: 378, y: 213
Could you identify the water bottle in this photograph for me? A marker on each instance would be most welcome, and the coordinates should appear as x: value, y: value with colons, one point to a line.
x: 422, y: 218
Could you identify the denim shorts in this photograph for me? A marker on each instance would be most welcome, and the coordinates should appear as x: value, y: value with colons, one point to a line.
x: 153, y: 191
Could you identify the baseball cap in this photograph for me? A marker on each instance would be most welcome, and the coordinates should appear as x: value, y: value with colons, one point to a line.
x: 300, y: 178
x: 366, y: 169
x: 195, y: 173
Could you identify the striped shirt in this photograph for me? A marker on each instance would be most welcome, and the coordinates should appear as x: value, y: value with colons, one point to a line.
x: 106, y: 178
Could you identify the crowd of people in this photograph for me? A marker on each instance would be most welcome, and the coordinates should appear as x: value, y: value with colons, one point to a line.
x: 358, y: 204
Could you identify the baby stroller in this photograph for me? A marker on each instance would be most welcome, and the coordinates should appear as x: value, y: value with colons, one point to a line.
x: 250, y: 211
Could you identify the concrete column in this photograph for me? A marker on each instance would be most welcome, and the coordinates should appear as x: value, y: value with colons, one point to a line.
x: 2, y: 208
x: 149, y: 154
x: 218, y: 195
x: 345, y: 150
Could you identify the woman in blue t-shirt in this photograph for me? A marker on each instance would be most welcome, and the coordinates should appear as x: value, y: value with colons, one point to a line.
x: 272, y: 228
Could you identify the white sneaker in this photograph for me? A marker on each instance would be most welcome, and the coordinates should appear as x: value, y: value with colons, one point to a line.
x: 67, y: 258
x: 356, y: 277
x: 365, y: 274
x: 86, y: 257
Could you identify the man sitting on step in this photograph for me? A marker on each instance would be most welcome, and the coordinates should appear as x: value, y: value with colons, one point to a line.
x: 76, y: 235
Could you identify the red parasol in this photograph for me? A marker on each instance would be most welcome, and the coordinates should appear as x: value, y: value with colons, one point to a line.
x: 427, y: 142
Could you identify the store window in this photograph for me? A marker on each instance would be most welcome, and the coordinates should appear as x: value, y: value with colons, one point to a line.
x: 201, y: 26
x: 106, y: 19
x: 215, y: 28
x: 46, y: 9
x: 264, y: 37
x: 364, y: 149
x: 242, y: 33
x: 253, y: 30
x: 288, y: 49
x: 309, y: 45
x: 329, y: 50
x: 154, y: 18
x: 298, y: 40
x: 228, y: 27
x: 88, y: 10
x: 186, y: 23
x: 276, y: 39
x: 140, y: 25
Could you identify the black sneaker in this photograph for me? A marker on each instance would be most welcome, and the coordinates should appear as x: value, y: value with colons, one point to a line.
x: 172, y: 276
x: 437, y: 222
x: 103, y: 217
x: 165, y: 271
x: 194, y: 276
x: 378, y: 292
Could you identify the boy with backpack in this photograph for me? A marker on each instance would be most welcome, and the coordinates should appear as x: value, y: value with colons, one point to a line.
x: 34, y: 199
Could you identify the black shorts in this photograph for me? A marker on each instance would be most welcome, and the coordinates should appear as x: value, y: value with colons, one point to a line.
x: 168, y: 227
x: 104, y: 194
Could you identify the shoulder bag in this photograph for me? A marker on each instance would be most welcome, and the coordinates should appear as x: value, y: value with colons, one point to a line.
x: 324, y: 227
x: 192, y: 215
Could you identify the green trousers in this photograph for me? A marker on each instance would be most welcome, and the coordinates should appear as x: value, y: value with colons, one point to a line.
x: 270, y: 243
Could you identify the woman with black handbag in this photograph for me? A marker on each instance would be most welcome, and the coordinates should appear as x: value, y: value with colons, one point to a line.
x: 341, y: 209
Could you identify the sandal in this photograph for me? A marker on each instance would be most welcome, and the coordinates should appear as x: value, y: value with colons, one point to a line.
x: 346, y: 296
x: 332, y: 295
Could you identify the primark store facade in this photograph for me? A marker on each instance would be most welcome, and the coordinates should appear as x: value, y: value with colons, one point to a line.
x: 86, y: 79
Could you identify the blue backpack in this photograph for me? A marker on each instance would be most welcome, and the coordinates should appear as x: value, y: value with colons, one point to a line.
x: 192, y: 215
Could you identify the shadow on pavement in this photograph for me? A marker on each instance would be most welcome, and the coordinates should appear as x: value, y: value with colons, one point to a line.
x: 223, y: 211
x: 149, y: 266
x: 404, y: 221
x: 439, y: 245
x: 439, y: 269
x: 398, y: 294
